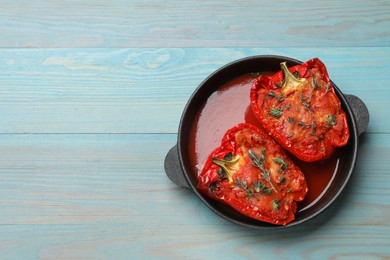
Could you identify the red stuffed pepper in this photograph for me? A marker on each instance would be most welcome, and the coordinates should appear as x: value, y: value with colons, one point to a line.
x: 252, y: 174
x: 300, y: 110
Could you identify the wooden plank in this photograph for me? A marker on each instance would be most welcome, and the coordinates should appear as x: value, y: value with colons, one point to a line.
x: 144, y: 90
x: 86, y: 196
x: 193, y: 23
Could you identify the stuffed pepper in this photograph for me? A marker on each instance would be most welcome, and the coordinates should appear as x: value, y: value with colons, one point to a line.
x: 251, y: 173
x: 299, y: 108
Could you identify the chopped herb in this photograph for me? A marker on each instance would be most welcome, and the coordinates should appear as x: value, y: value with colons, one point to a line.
x: 302, y: 124
x: 312, y: 134
x: 276, y: 112
x: 283, y: 164
x: 281, y: 97
x: 316, y: 84
x: 331, y: 120
x: 279, y: 84
x: 291, y: 119
x: 306, y: 104
x: 275, y: 205
x: 272, y: 94
x: 287, y: 107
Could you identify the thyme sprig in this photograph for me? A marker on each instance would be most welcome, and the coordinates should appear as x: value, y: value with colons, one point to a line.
x: 258, y: 186
x: 258, y: 161
x: 244, y: 186
x: 283, y: 164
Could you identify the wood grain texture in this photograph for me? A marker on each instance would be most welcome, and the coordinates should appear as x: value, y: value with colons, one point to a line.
x: 194, y: 23
x: 144, y: 90
x: 106, y: 196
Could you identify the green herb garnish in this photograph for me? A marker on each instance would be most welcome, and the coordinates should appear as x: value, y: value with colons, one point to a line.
x: 331, y: 120
x: 244, y: 186
x: 273, y: 94
x: 283, y: 164
x: 283, y: 180
x: 260, y: 187
x: 302, y: 124
x: 276, y: 112
x: 275, y: 205
x: 305, y: 101
x: 258, y: 161
x: 316, y: 84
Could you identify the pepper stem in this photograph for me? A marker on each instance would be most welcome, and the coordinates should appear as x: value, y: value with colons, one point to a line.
x: 227, y: 166
x: 291, y: 83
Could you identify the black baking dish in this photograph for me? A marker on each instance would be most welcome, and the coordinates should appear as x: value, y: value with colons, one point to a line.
x: 177, y: 162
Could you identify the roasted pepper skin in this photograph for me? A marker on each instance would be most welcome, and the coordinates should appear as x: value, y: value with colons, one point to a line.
x: 299, y: 108
x: 252, y: 173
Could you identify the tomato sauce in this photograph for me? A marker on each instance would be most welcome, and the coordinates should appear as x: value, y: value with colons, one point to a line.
x: 229, y: 106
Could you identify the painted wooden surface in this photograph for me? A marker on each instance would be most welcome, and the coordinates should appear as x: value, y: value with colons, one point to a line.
x: 170, y: 23
x: 144, y: 90
x: 89, y: 113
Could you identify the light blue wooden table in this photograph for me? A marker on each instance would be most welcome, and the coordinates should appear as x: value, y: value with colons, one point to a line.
x: 91, y: 93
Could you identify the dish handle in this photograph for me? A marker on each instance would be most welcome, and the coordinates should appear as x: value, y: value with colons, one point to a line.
x: 359, y: 111
x: 173, y: 168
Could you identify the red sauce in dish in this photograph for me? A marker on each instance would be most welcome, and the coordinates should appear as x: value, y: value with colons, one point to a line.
x: 229, y: 106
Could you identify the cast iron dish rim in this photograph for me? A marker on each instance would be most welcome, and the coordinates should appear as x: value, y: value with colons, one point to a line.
x: 183, y: 137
